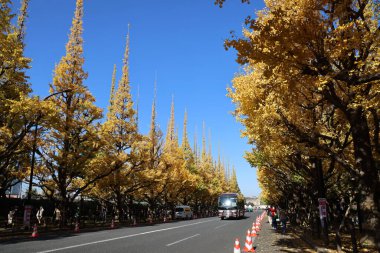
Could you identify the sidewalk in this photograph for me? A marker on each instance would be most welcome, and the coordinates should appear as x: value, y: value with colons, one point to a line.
x: 269, y: 241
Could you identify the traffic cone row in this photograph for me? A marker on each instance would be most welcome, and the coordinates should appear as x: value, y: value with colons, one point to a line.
x: 248, y: 246
x: 253, y: 232
x: 257, y: 226
x: 35, y: 232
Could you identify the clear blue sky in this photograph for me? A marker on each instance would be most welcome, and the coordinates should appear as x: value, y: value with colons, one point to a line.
x: 181, y: 41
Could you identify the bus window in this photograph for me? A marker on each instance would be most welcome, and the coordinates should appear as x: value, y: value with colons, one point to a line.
x: 227, y: 201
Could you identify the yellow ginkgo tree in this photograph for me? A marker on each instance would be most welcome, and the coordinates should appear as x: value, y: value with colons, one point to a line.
x: 124, y: 150
x: 18, y: 110
x: 310, y: 87
x: 70, y: 140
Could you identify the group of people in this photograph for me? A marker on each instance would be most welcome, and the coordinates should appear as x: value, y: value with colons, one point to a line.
x: 39, y: 216
x: 275, y: 215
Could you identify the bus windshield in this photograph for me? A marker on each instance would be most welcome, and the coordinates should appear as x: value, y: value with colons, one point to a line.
x: 225, y: 201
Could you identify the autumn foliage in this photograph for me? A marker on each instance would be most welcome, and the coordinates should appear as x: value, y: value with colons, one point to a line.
x: 76, y: 153
x: 308, y: 97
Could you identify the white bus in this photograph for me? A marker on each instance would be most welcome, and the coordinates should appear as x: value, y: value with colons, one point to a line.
x: 230, y: 205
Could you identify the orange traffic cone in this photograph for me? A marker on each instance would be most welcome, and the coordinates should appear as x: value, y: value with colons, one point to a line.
x: 35, y: 232
x: 112, y: 224
x: 257, y: 227
x: 248, y: 243
x: 76, y: 229
x: 237, y: 246
x: 253, y: 233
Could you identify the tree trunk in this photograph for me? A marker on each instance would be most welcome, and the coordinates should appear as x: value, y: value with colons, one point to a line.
x: 119, y: 206
x: 338, y: 240
x: 359, y: 212
x: 321, y: 189
x: 63, y: 201
x: 364, y: 161
x: 351, y: 227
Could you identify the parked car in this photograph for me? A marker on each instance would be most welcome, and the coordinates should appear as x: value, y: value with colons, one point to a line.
x: 183, y: 212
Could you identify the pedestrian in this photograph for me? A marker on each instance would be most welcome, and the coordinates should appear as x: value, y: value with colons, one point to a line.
x: 57, y: 214
x: 77, y: 215
x: 11, y: 215
x: 274, y: 217
x: 40, y: 214
x: 283, y: 220
x: 269, y: 213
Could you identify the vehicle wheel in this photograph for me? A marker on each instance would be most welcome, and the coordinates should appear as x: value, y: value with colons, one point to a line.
x: 222, y: 218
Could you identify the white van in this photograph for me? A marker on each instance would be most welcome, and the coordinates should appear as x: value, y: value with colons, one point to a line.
x: 183, y: 212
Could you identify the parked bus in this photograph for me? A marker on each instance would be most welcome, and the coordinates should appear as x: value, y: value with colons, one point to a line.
x: 230, y: 205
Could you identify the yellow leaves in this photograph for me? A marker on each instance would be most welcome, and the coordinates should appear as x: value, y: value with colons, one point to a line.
x: 304, y: 71
x: 5, y: 138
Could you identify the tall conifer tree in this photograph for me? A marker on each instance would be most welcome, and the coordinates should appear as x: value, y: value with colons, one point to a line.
x: 17, y: 110
x: 185, y: 139
x: 70, y: 141
x: 171, y: 141
x: 122, y: 151
x: 156, y: 177
x: 112, y: 93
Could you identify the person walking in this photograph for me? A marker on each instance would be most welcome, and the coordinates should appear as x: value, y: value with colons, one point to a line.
x: 11, y: 219
x: 40, y: 214
x: 269, y: 214
x: 57, y: 214
x: 274, y: 217
x: 283, y: 220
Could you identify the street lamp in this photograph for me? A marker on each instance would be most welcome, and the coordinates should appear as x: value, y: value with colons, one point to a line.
x: 35, y: 143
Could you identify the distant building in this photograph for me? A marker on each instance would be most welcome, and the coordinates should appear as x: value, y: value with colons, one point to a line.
x: 14, y: 191
x: 253, y: 200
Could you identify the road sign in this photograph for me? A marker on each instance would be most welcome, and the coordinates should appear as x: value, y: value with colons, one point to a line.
x: 322, y: 208
x: 27, y: 212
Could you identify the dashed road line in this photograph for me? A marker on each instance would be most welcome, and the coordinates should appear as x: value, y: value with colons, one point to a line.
x: 184, y: 239
x: 121, y: 237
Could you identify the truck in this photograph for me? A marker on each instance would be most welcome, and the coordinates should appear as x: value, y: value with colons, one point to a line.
x: 230, y: 205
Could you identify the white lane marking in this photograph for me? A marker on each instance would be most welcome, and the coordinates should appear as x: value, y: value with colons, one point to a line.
x: 221, y: 225
x: 184, y: 239
x: 121, y: 237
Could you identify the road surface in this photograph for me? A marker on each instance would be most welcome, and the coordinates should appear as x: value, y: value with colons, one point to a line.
x: 188, y: 236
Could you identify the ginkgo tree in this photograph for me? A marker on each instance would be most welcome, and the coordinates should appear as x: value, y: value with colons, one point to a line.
x: 154, y: 183
x: 312, y: 75
x: 70, y: 140
x: 62, y: 144
x: 17, y: 112
x: 123, y: 151
x: 176, y: 174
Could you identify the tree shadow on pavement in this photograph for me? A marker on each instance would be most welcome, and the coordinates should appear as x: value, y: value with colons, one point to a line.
x: 289, y: 242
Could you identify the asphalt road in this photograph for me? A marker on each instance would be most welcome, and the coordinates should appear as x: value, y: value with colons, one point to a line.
x: 189, y: 236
